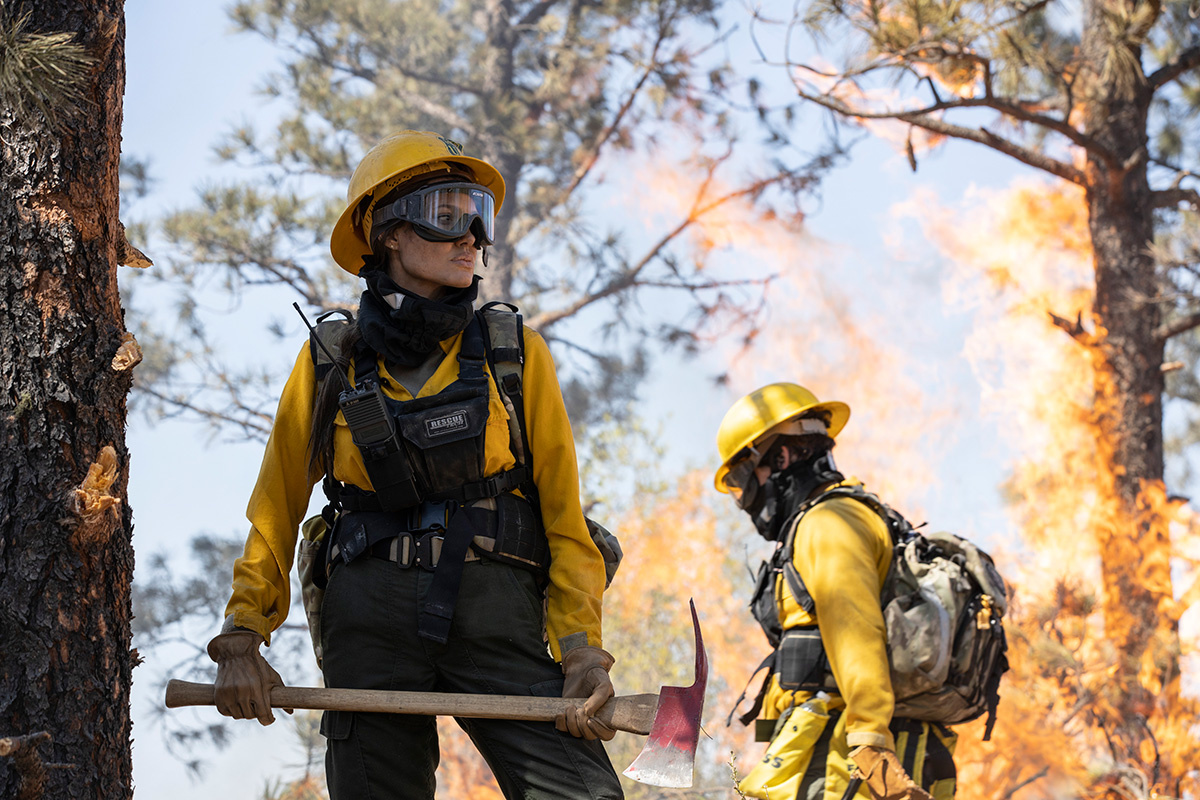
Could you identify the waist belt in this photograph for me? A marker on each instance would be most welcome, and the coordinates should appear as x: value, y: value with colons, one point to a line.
x: 411, y: 536
x: 408, y: 549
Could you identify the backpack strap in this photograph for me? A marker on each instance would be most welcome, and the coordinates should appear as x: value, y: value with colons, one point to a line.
x: 898, y: 527
x: 325, y: 343
x: 505, y: 350
x: 331, y: 334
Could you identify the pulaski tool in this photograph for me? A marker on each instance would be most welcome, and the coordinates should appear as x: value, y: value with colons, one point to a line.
x: 670, y: 719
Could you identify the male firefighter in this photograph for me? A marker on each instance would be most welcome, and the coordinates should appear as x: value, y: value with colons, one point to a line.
x: 827, y: 705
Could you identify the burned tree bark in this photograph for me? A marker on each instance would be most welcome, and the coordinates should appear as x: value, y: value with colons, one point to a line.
x: 1133, y: 535
x: 66, y: 558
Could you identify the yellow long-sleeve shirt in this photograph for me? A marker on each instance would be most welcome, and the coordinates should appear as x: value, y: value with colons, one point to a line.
x: 842, y: 551
x: 261, y: 594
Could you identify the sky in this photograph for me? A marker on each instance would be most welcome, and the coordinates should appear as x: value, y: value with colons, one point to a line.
x: 189, y: 80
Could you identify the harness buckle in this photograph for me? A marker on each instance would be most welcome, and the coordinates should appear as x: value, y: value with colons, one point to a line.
x: 428, y: 551
x: 429, y: 516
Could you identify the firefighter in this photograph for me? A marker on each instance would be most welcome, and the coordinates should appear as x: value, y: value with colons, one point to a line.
x: 436, y: 563
x: 827, y: 704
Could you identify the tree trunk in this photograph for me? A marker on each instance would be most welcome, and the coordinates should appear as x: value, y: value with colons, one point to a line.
x: 1133, y: 533
x: 66, y: 557
x: 497, y: 73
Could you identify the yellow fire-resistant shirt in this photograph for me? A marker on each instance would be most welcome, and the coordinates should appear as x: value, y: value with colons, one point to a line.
x: 842, y: 552
x: 261, y: 594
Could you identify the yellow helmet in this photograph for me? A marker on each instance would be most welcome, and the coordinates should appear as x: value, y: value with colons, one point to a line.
x: 758, y: 412
x: 399, y: 158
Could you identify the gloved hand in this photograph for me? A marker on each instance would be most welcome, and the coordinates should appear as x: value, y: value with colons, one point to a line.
x: 885, y: 776
x: 586, y: 671
x: 244, y: 678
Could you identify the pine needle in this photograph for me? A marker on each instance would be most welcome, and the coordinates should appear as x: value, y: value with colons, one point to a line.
x: 45, y: 72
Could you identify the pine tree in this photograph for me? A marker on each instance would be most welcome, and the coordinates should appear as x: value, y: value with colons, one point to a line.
x: 1101, y: 95
x: 549, y: 91
x: 66, y: 559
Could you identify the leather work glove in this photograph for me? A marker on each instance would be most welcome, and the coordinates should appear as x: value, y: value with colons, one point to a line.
x: 244, y: 678
x: 586, y: 671
x: 885, y: 776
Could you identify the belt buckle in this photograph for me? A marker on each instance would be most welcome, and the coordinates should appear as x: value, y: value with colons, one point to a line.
x: 428, y: 550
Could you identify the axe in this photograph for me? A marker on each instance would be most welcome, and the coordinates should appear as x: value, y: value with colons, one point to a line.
x: 671, y: 718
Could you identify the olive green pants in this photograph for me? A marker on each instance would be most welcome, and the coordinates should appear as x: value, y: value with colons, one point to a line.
x: 369, y: 634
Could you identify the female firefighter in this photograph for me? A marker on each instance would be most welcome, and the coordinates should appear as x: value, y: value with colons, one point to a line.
x: 827, y: 705
x: 445, y: 528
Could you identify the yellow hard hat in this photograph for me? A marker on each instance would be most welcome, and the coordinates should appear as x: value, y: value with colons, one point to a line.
x: 760, y: 411
x: 399, y: 158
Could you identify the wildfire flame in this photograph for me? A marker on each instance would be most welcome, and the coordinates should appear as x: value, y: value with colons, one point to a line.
x: 1020, y: 262
x: 1018, y: 267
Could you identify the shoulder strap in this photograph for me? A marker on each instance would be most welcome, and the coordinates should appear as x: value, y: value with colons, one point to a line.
x: 505, y: 342
x: 325, y: 342
x: 791, y: 574
x: 330, y: 333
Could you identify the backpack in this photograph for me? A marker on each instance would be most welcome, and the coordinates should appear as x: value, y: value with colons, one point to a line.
x: 505, y: 351
x: 943, y: 606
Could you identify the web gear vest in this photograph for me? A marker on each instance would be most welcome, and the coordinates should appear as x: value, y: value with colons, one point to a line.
x: 427, y: 467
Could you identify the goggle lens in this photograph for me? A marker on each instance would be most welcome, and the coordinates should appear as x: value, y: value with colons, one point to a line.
x: 448, y: 211
x: 741, y: 481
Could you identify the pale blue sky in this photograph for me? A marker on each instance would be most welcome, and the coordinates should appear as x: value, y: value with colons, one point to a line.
x: 189, y: 80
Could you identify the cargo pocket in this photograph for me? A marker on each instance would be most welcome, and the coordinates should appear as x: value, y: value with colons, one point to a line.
x: 788, y: 756
x: 337, y: 725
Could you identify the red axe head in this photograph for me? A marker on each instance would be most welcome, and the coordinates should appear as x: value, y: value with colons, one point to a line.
x: 670, y: 750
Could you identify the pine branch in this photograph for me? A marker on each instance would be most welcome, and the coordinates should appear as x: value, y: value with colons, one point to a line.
x: 250, y: 428
x: 1171, y: 198
x: 596, y: 146
x: 1186, y: 60
x: 1074, y: 328
x: 46, y: 72
x: 922, y: 120
x: 1182, y: 325
x: 630, y: 277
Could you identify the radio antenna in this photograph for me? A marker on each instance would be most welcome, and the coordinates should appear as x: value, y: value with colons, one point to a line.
x: 312, y: 334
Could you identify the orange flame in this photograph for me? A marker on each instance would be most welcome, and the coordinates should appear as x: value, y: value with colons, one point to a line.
x: 1022, y: 265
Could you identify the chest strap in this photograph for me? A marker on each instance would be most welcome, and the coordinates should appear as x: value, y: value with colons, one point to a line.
x: 352, y: 498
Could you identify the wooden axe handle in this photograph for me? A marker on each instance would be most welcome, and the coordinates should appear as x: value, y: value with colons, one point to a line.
x: 633, y: 713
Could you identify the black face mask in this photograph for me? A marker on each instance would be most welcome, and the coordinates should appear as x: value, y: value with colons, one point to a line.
x: 777, y: 500
x: 408, y: 334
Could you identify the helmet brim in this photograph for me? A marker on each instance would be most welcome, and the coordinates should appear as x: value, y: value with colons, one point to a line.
x: 839, y: 415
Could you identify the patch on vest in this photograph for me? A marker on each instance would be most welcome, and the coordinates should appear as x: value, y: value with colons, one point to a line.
x: 451, y: 423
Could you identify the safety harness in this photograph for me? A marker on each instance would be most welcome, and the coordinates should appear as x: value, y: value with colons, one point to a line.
x: 428, y: 470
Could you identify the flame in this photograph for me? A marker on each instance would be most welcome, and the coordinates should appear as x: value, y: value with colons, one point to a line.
x: 1018, y: 266
x: 1020, y: 262
x: 1097, y: 629
x: 675, y: 549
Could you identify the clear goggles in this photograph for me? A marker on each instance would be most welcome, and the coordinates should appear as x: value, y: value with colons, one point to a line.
x: 741, y: 480
x: 445, y: 212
